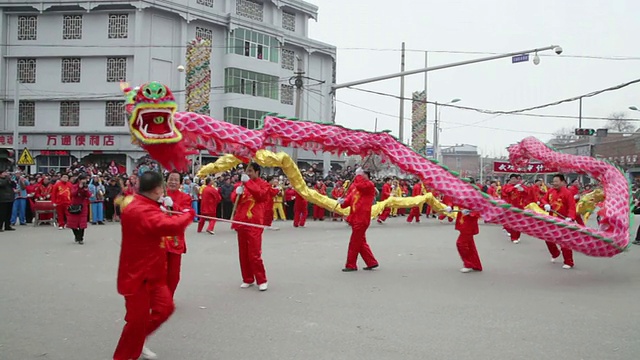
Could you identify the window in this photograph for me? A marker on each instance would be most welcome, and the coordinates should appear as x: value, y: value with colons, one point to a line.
x: 286, y: 94
x: 27, y: 27
x: 70, y: 113
x: 71, y: 70
x: 288, y: 59
x: 116, y: 69
x: 253, y: 44
x: 204, y: 33
x: 118, y: 26
x: 250, y: 83
x: 55, y: 163
x: 251, y: 9
x: 115, y: 114
x: 27, y: 71
x: 27, y: 113
x: 250, y: 119
x: 72, y: 27
x: 208, y: 3
x: 288, y: 21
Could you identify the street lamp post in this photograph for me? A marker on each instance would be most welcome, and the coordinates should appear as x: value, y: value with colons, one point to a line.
x: 436, y: 130
x: 634, y: 108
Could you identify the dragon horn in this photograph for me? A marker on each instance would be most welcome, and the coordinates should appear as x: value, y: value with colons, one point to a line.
x: 124, y: 86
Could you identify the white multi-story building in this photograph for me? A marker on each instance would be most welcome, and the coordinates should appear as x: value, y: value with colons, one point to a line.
x: 67, y: 59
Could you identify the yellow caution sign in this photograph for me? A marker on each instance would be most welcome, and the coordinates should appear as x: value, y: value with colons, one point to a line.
x: 26, y: 158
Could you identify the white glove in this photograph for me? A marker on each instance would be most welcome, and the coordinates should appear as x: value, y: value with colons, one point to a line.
x: 244, y: 178
x: 359, y: 171
x: 164, y: 209
x: 576, y: 197
x: 547, y: 207
x: 569, y: 220
x: 340, y: 201
x: 186, y: 210
x: 466, y: 212
x: 239, y: 190
x: 448, y: 209
x: 519, y: 187
x: 167, y: 202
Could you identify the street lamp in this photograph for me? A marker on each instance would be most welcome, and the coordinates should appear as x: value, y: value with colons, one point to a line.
x: 436, y: 130
x: 633, y: 108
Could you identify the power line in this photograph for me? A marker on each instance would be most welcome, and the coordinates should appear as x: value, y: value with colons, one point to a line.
x: 520, y: 111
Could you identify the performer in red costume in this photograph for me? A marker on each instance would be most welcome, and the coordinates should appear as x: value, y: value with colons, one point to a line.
x: 300, y: 211
x: 318, y: 211
x: 559, y: 202
x: 417, y: 190
x: 467, y: 225
x: 491, y: 191
x: 254, y: 193
x: 386, y: 193
x: 175, y: 200
x: 209, y: 205
x: 360, y: 201
x: 44, y: 189
x: 447, y: 200
x: 61, y: 197
x: 537, y: 192
x: 274, y: 190
x: 337, y: 193
x: 142, y: 269
x: 514, y: 193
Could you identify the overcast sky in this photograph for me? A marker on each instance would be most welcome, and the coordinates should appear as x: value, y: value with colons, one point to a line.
x: 586, y: 27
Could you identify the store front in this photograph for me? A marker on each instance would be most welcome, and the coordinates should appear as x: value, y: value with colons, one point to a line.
x: 55, y: 152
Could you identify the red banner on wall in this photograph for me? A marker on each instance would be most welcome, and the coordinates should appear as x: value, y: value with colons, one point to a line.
x: 506, y: 167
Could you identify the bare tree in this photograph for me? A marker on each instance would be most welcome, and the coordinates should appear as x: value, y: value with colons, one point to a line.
x: 618, y: 122
x: 563, y: 136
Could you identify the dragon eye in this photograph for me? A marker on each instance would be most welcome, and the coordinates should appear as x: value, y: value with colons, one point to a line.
x: 158, y: 120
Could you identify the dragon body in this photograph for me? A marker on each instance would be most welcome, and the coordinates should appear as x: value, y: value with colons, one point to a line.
x: 169, y: 137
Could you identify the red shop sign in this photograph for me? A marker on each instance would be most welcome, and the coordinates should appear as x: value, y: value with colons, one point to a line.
x: 54, y: 152
x: 507, y: 167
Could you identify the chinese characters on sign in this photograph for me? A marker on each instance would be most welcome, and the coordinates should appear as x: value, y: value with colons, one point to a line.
x: 81, y: 140
x: 8, y: 139
x: 505, y: 167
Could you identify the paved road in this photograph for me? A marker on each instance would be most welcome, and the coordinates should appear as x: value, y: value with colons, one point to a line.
x: 58, y: 300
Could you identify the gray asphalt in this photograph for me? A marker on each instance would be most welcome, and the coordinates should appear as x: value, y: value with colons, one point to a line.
x: 58, y: 300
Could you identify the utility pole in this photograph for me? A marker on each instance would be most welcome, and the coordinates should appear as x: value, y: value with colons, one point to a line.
x: 298, y: 114
x: 401, y: 123
x: 436, y: 135
x: 580, y: 114
x: 426, y: 101
x: 16, y: 124
x: 375, y: 126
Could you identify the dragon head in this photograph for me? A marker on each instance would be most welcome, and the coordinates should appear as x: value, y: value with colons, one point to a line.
x: 151, y: 108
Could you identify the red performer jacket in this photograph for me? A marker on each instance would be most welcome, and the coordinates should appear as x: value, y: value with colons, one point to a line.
x: 535, y: 194
x: 289, y: 194
x: 360, y: 200
x: 299, y: 203
x: 210, y: 199
x: 513, y: 196
x: 337, y: 192
x: 181, y: 201
x: 142, y: 253
x: 416, y: 190
x: 386, y: 191
x: 251, y: 206
x: 491, y: 191
x: 561, y: 201
x: 467, y: 224
x: 61, y: 193
x: 43, y: 192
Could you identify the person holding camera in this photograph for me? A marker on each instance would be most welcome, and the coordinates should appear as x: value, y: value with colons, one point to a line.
x: 78, y: 210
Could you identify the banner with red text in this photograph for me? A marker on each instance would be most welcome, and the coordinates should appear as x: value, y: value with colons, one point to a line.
x: 533, y: 168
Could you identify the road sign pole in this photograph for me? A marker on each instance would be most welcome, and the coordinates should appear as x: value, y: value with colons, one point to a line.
x: 16, y: 123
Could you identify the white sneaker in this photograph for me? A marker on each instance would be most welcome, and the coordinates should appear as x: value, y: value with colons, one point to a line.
x: 147, y: 354
x: 263, y: 287
x: 466, y: 270
x: 516, y: 241
x: 211, y: 232
x: 553, y: 259
x: 245, y: 285
x: 60, y: 228
x: 567, y: 267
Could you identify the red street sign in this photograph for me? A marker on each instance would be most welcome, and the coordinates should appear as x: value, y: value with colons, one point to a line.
x: 533, y: 168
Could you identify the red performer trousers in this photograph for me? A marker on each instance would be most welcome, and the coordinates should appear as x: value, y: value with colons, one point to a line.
x: 212, y: 223
x: 147, y: 309
x: 358, y: 246
x: 318, y: 212
x: 515, y: 235
x: 442, y: 216
x: 61, y: 212
x: 174, y: 263
x: 385, y: 214
x: 567, y: 254
x: 300, y: 217
x: 250, y: 252
x: 468, y: 252
x: 414, y: 214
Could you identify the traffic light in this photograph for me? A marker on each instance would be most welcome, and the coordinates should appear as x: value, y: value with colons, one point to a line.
x: 585, y: 132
